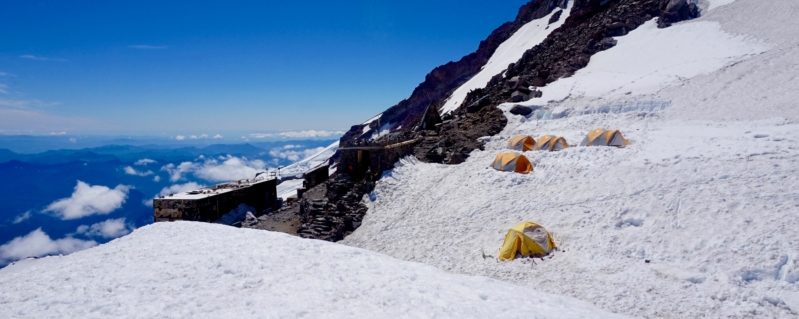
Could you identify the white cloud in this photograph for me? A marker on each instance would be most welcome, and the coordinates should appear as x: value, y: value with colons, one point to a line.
x: 157, y: 178
x: 37, y: 243
x: 147, y: 47
x: 296, y: 134
x: 232, y: 168
x: 222, y: 169
x: 87, y: 200
x: 202, y: 136
x: 292, y: 153
x: 3, y: 88
x: 145, y: 162
x: 41, y: 58
x: 132, y: 171
x: 22, y: 217
x: 111, y: 228
x: 176, y: 172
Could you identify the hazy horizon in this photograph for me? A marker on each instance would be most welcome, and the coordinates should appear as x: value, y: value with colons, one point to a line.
x: 178, y: 69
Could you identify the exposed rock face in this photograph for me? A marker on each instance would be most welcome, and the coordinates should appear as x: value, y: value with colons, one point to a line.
x: 589, y: 29
x: 333, y: 209
x: 440, y: 82
x: 458, y: 135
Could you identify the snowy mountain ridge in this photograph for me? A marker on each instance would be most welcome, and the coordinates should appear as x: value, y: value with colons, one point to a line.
x: 695, y: 218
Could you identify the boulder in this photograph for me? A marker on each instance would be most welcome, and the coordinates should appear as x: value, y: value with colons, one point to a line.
x: 521, y: 110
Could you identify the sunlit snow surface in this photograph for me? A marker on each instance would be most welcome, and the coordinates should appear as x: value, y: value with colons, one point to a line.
x: 649, y: 58
x: 199, y: 270
x: 706, y: 192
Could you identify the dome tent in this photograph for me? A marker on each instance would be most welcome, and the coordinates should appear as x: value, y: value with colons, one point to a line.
x: 605, y: 137
x: 526, y: 239
x: 512, y: 162
x: 551, y: 143
x: 521, y: 143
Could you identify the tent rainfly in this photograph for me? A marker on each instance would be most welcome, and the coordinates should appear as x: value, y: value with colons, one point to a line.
x: 526, y: 239
x: 605, y: 137
x: 512, y: 162
x: 522, y: 143
x: 551, y: 143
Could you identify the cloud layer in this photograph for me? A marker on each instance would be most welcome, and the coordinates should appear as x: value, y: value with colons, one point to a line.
x: 145, y: 162
x: 37, y: 244
x: 181, y: 137
x: 132, y: 171
x: 307, y: 134
x: 111, y: 228
x: 223, y: 169
x: 292, y: 153
x: 87, y: 200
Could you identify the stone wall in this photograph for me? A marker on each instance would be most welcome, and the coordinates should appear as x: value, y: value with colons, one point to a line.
x: 261, y: 195
x: 315, y: 177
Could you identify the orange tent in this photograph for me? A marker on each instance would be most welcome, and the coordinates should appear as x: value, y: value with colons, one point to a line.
x: 521, y: 143
x: 605, y: 137
x: 551, y: 143
x: 512, y: 162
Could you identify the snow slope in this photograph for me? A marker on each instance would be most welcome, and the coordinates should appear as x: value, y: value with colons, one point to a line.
x: 648, y: 58
x: 198, y: 270
x: 696, y: 218
x: 510, y: 51
x: 289, y: 187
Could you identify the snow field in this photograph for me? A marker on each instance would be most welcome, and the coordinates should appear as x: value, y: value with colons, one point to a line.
x: 199, y: 270
x: 710, y: 205
x: 696, y: 218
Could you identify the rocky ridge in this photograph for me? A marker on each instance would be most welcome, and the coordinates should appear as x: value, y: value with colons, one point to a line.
x: 449, y: 139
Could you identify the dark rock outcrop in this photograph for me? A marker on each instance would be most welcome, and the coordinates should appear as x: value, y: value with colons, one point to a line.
x: 440, y: 82
x: 449, y: 139
x: 588, y: 30
x: 521, y: 110
x: 337, y: 211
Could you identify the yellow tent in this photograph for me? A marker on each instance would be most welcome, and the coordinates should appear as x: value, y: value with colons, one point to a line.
x: 604, y: 137
x: 521, y: 143
x: 526, y: 239
x: 551, y: 143
x: 512, y: 162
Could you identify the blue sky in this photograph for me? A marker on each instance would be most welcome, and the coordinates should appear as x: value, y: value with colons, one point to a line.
x: 190, y: 67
